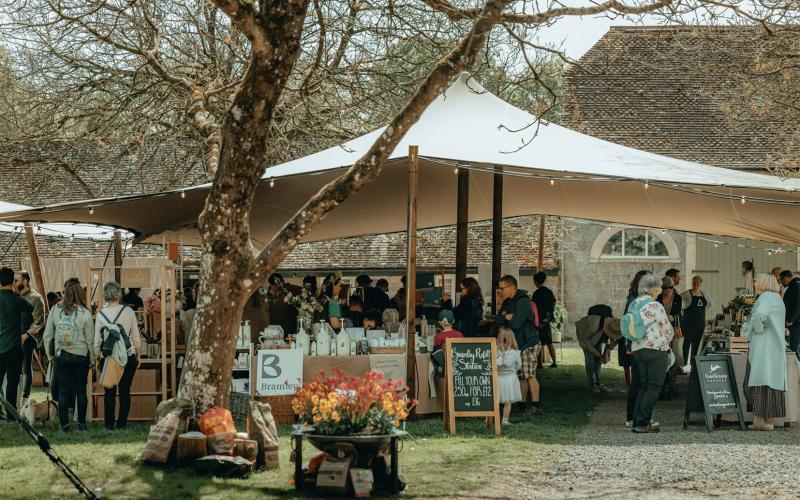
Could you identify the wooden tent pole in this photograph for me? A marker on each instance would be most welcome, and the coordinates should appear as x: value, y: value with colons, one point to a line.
x: 462, y: 225
x: 497, y: 233
x: 36, y: 265
x: 118, y: 257
x: 411, y: 269
x: 540, y: 257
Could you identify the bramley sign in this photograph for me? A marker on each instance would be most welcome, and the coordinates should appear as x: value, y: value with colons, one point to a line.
x: 279, y: 372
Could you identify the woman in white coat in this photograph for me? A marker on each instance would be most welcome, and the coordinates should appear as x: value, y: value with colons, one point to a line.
x: 765, y: 378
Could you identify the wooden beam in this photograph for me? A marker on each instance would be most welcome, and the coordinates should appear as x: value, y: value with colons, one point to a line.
x: 36, y: 265
x: 462, y: 224
x: 497, y: 232
x: 540, y: 257
x: 411, y: 269
x: 118, y: 257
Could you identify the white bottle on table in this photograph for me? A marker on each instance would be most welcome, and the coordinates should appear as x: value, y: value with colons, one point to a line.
x: 323, y: 341
x: 343, y: 343
x: 246, y: 331
x: 303, y: 341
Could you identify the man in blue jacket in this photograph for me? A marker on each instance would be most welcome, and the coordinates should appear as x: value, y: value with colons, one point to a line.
x: 514, y: 311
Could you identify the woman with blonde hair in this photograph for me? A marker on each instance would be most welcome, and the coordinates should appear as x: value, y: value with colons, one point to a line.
x: 508, y: 363
x: 765, y: 377
x: 70, y: 325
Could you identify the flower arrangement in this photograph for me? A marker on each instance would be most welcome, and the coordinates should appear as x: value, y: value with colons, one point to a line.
x: 153, y: 305
x: 346, y: 405
x: 308, y: 307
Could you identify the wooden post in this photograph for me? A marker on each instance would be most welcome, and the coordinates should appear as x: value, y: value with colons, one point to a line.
x: 173, y: 337
x: 497, y: 232
x: 36, y: 265
x: 540, y: 257
x: 164, y: 392
x: 118, y: 257
x: 462, y: 224
x: 411, y: 269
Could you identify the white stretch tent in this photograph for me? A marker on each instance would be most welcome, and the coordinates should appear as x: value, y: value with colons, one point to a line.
x: 83, y: 231
x: 549, y: 169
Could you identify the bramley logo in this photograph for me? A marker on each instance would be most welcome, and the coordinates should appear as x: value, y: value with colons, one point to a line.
x: 715, y: 368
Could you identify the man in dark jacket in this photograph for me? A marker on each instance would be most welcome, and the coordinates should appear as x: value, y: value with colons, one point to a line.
x: 514, y: 311
x: 791, y: 298
x: 15, y: 315
x: 545, y: 302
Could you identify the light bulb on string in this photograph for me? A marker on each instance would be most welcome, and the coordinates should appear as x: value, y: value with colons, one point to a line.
x: 646, y: 184
x: 552, y: 181
x: 716, y: 244
x: 183, y: 195
x: 663, y: 231
x: 272, y: 182
x: 91, y: 210
x: 744, y: 200
x: 455, y: 171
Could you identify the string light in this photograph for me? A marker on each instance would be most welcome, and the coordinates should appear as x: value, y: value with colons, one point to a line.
x: 272, y: 182
x: 646, y: 184
x: 663, y: 231
x: 552, y: 181
x: 744, y: 200
x: 455, y: 170
x: 183, y: 194
x: 716, y: 244
x: 91, y: 210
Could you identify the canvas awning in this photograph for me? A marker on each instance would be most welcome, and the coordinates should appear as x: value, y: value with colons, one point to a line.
x: 67, y: 230
x: 549, y: 169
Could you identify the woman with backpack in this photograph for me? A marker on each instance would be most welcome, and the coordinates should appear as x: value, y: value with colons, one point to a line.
x: 117, y: 320
x: 71, y: 327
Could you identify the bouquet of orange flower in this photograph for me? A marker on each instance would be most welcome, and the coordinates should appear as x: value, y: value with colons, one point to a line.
x: 345, y: 405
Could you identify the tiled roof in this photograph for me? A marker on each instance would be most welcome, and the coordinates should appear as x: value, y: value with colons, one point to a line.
x: 669, y: 90
x: 60, y: 171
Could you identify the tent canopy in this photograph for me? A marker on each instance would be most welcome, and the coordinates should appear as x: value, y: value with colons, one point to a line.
x: 548, y: 169
x: 82, y: 231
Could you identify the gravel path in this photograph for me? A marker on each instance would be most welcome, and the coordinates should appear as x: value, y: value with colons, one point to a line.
x: 610, y: 461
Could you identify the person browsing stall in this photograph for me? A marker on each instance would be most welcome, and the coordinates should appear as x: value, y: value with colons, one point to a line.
x: 446, y: 321
x: 469, y: 311
x: 117, y: 313
x: 514, y: 311
x: 545, y: 302
x: 29, y: 338
x: 765, y: 376
x: 791, y: 299
x: 331, y: 288
x: 673, y: 304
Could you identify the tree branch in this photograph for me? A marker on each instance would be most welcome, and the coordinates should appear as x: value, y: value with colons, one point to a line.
x: 369, y: 166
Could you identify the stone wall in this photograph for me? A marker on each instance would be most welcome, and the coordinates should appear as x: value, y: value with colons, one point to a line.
x: 588, y: 283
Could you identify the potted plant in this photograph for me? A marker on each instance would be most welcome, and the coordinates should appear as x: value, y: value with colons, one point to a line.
x: 357, y: 412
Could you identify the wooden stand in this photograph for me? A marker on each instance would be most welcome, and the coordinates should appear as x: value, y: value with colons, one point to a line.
x: 451, y: 410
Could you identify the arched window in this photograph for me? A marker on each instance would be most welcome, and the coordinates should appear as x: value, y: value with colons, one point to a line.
x: 634, y: 244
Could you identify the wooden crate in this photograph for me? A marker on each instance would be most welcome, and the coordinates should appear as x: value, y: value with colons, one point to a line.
x: 281, y: 408
x: 146, y: 381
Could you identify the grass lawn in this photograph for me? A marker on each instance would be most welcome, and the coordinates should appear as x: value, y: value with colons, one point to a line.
x: 433, y: 463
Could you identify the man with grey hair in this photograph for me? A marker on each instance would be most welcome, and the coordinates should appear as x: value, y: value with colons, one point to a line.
x: 650, y: 346
x: 116, y: 313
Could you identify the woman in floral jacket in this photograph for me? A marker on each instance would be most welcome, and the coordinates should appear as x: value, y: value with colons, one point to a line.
x: 650, y: 352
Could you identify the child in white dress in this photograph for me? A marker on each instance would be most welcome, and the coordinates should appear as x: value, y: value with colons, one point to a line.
x: 508, y: 362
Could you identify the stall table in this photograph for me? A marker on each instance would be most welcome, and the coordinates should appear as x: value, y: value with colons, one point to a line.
x: 792, y: 388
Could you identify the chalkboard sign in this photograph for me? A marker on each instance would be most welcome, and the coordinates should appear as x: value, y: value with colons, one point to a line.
x: 713, y: 389
x: 471, y: 381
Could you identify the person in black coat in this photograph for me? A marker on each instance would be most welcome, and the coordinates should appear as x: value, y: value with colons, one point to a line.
x: 791, y: 298
x: 469, y: 311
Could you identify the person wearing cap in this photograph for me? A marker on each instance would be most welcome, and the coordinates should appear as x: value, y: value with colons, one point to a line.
x: 593, y: 332
x: 446, y: 321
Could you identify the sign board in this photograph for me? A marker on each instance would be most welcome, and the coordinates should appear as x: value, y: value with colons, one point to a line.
x: 471, y: 384
x: 279, y: 372
x: 713, y: 389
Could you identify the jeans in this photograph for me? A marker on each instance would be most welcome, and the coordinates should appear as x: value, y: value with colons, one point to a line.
x: 10, y: 371
x: 794, y: 339
x: 124, y: 387
x: 71, y: 372
x: 593, y: 366
x: 633, y: 393
x: 652, y: 372
x: 27, y: 366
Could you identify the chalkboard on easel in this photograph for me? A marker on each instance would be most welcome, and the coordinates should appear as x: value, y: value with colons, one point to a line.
x: 471, y: 384
x: 713, y: 389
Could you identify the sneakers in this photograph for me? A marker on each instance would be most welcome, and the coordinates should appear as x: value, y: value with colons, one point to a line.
x: 655, y: 424
x: 629, y: 423
x: 505, y: 421
x: 645, y: 430
x: 554, y: 365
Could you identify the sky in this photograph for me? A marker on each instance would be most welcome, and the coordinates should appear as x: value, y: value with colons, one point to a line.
x: 576, y: 35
